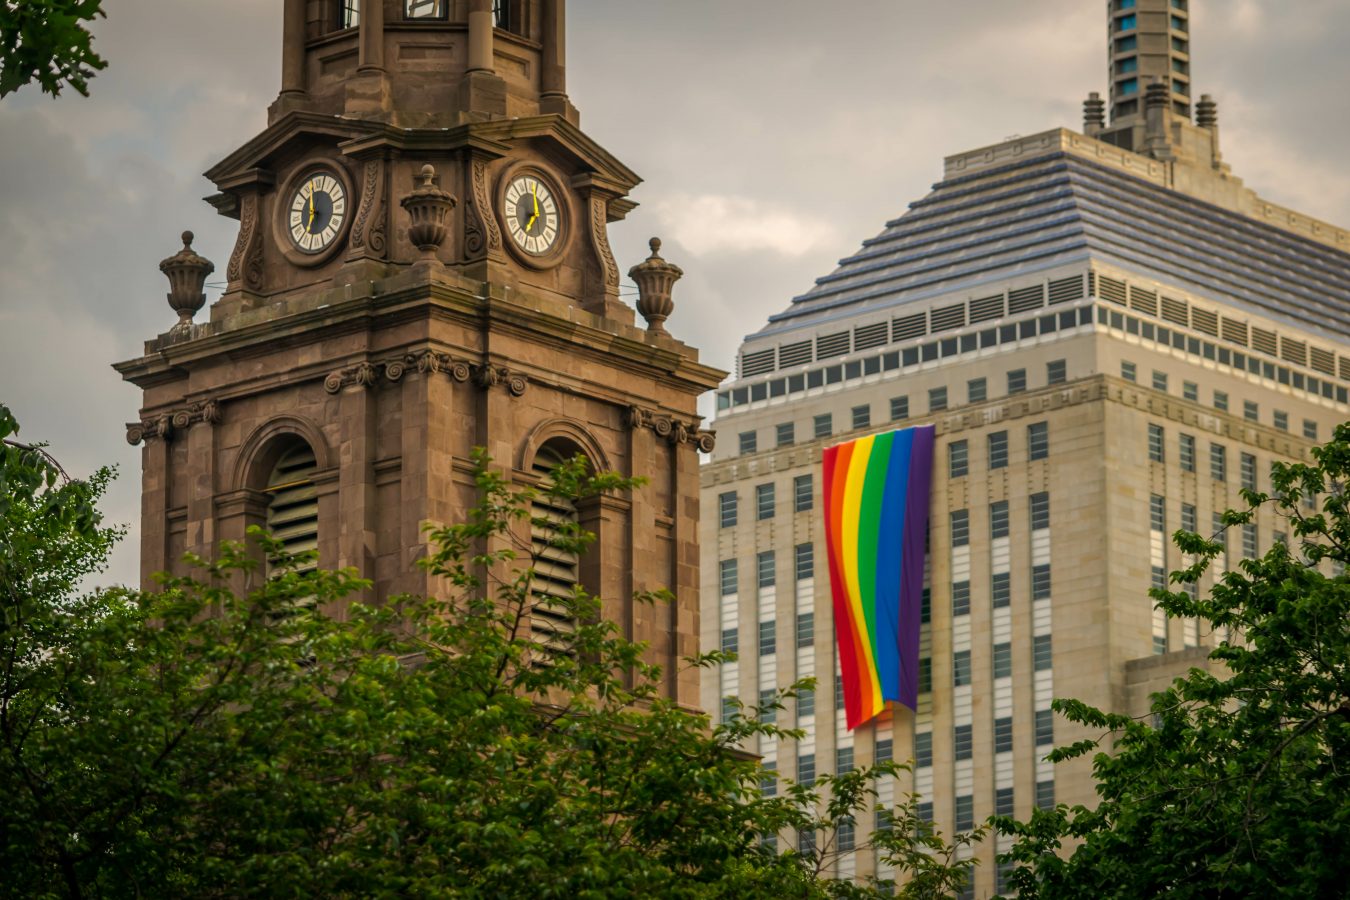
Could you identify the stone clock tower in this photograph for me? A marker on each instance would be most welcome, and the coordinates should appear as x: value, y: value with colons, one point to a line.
x: 422, y: 268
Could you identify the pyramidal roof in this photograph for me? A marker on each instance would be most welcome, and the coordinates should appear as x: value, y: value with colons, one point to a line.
x: 1040, y: 202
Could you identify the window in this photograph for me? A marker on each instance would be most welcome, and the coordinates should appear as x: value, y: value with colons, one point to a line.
x: 726, y: 509
x: 1038, y: 440
x: 768, y: 778
x: 977, y: 390
x: 843, y: 760
x: 1190, y: 391
x: 1128, y: 372
x: 1310, y: 429
x: 845, y: 835
x: 804, y: 561
x: 730, y: 640
x: 1126, y: 66
x: 1221, y: 401
x: 503, y: 15
x: 727, y: 572
x: 961, y: 668
x: 803, y: 493
x: 1281, y: 420
x: 1003, y: 735
x: 926, y: 607
x: 822, y: 426
x: 806, y: 768
x: 768, y: 638
x: 806, y: 840
x: 1040, y: 511
x: 958, y: 459
x: 923, y: 749
x: 1248, y: 471
x: 1001, y: 589
x: 786, y: 434
x: 1155, y: 443
x: 925, y: 675
x: 1126, y: 23
x: 1045, y: 727
x: 349, y: 13
x: 998, y: 519
x: 1017, y: 381
x: 899, y: 408
x: 965, y: 813
x: 1159, y: 380
x: 1188, y: 517
x: 960, y: 527
x: 862, y: 417
x: 806, y: 703
x: 1003, y: 806
x: 425, y: 9
x: 1003, y: 660
x: 883, y: 753
x: 838, y: 694
x: 1218, y: 462
x: 1187, y: 452
x: 1178, y: 23
x: 998, y: 450
x: 961, y: 598
x: 1249, y: 548
x: 1126, y: 44
x: 1041, y: 653
x: 768, y: 701
x: 1056, y: 372
x: 1045, y: 795
x: 766, y: 569
x: 1250, y: 411
x: 1159, y: 581
x: 937, y: 399
x: 806, y: 629
x: 1040, y: 582
x: 963, y: 744
x: 1157, y: 513
x: 749, y: 442
x: 764, y: 501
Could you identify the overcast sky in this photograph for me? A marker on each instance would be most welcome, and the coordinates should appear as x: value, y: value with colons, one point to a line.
x: 774, y: 136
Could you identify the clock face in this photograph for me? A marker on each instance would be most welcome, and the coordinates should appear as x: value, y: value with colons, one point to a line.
x: 318, y: 209
x: 531, y: 214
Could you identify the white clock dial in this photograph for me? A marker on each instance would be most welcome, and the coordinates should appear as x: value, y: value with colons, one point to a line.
x: 317, y: 212
x: 532, y: 215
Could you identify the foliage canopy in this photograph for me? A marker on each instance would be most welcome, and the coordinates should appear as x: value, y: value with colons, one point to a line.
x: 48, y: 41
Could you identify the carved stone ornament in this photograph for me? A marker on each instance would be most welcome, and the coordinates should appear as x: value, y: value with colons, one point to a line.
x: 655, y: 280
x: 480, y: 230
x: 674, y: 431
x: 187, y: 272
x: 426, y: 362
x: 164, y: 425
x: 246, y: 262
x: 428, y: 207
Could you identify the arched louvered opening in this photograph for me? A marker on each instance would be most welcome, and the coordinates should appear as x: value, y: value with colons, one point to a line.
x: 557, y: 570
x: 293, y: 505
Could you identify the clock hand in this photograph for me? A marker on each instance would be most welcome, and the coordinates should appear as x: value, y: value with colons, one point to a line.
x: 311, y: 211
x: 534, y: 218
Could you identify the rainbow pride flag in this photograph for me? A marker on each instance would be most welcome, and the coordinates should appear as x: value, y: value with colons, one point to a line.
x: 876, y: 496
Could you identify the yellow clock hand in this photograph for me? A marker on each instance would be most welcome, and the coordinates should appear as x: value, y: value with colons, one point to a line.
x: 534, y: 218
x: 311, y: 210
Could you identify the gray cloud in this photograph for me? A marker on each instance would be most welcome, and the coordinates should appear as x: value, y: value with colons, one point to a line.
x: 790, y: 130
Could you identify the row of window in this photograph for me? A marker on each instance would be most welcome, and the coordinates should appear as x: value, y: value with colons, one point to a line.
x: 503, y: 12
x: 804, y: 564
x: 1251, y: 411
x: 766, y: 503
x: 1187, y: 456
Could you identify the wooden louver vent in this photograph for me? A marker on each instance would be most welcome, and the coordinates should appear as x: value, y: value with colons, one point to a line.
x: 557, y: 571
x: 798, y: 354
x: 947, y: 318
x: 831, y: 345
x: 1264, y: 341
x: 1112, y: 290
x: 986, y: 309
x: 1293, y: 351
x: 1144, y: 301
x: 1066, y: 290
x: 907, y: 328
x: 1235, y: 332
x: 865, y: 337
x: 1176, y: 311
x: 1026, y: 299
x: 1205, y: 320
x: 757, y: 363
x: 293, y: 504
x: 1323, y: 360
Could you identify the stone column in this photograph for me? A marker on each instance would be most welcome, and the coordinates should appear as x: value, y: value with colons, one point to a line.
x: 356, y: 500
x: 482, y: 92
x: 684, y: 491
x: 201, y: 513
x: 553, y: 74
x: 293, y: 49
x: 371, y: 58
x: 154, y: 510
x: 480, y: 36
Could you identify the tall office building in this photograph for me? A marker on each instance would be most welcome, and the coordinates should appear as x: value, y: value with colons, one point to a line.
x: 1112, y: 336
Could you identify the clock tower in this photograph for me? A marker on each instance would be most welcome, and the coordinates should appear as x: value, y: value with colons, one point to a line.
x: 423, y: 267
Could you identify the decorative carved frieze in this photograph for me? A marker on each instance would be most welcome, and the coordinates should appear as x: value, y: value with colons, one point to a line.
x: 164, y: 425
x: 675, y: 431
x: 426, y: 362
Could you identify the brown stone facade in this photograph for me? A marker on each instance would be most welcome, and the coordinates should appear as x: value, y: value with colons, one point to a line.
x: 417, y: 328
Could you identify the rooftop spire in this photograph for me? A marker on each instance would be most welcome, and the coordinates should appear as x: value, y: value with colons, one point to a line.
x: 1150, y: 43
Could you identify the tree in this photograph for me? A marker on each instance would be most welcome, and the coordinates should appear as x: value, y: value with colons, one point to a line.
x: 47, y: 41
x: 228, y: 736
x: 1239, y: 784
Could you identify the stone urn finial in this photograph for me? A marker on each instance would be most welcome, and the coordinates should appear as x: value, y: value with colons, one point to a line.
x: 428, y: 206
x: 655, y: 279
x: 187, y: 272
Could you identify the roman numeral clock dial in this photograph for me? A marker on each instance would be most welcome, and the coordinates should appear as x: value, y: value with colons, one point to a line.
x: 317, y: 211
x: 531, y: 214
